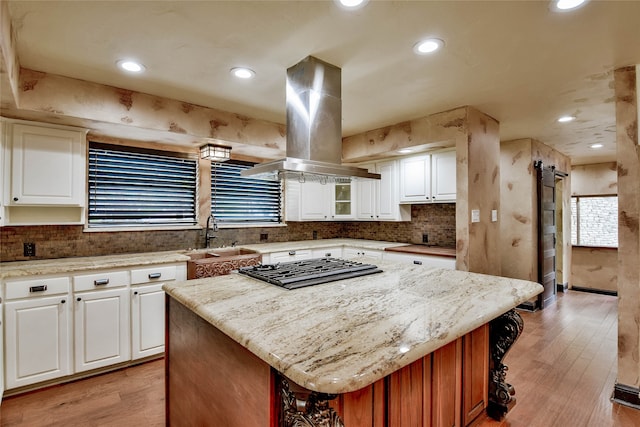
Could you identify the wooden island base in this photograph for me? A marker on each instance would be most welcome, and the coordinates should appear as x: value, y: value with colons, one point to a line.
x: 212, y: 380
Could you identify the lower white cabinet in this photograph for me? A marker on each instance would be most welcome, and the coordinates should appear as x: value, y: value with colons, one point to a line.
x: 101, y: 328
x: 365, y: 254
x: 1, y: 348
x: 38, y: 340
x: 334, y: 252
x: 293, y: 255
x: 147, y: 320
x: 436, y: 261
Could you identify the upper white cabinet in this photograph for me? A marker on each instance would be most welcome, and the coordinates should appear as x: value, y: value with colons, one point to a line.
x: 428, y: 178
x: 317, y: 201
x: 47, y: 166
x: 443, y: 176
x: 378, y: 200
x: 415, y: 179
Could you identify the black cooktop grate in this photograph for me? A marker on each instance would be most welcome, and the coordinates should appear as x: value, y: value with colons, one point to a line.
x: 297, y: 274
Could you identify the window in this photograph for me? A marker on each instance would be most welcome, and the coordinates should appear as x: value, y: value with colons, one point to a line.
x: 135, y: 187
x: 594, y: 221
x: 238, y: 199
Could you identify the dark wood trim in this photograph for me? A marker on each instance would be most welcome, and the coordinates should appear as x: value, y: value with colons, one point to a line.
x: 626, y: 395
x: 594, y: 291
x: 528, y: 306
x: 610, y: 248
x: 562, y: 287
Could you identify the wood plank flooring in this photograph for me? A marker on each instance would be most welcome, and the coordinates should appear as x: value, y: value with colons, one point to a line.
x: 563, y: 368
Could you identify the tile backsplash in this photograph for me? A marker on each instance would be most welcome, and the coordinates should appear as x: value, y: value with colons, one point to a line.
x: 58, y: 241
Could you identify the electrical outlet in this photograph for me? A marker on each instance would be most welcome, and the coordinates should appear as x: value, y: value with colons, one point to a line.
x: 264, y: 237
x: 315, y: 235
x: 29, y: 249
x: 425, y: 238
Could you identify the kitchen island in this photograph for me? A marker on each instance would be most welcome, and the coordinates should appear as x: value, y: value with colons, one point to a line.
x: 409, y: 345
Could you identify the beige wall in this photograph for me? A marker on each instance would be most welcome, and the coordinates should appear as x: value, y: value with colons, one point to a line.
x: 595, y: 268
x: 598, y: 179
x: 518, y: 201
x: 628, y: 156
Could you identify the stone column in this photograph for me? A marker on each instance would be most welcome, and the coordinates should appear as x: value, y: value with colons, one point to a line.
x: 627, y: 386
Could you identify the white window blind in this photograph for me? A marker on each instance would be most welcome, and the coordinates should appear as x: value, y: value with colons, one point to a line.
x: 238, y: 199
x: 129, y: 187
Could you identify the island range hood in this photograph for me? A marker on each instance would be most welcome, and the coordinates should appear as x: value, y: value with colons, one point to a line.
x: 314, y: 128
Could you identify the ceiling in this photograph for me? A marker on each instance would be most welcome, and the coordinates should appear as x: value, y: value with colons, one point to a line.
x: 517, y: 61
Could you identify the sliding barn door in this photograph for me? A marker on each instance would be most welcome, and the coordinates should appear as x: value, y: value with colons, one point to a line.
x: 546, y: 178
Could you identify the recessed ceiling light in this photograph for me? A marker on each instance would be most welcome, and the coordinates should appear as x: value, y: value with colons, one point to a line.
x: 566, y: 5
x: 427, y: 46
x: 405, y: 151
x: 596, y: 146
x: 130, y: 66
x: 242, y: 72
x: 565, y: 119
x: 351, y: 4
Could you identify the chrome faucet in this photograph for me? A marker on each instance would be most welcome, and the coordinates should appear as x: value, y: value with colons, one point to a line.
x: 211, y: 221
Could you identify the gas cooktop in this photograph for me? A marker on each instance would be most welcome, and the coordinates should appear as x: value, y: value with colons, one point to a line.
x: 298, y: 274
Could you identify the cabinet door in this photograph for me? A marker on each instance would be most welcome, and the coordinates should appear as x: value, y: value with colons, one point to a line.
x: 147, y: 320
x: 47, y: 166
x: 366, y: 197
x: 443, y: 176
x: 342, y: 201
x: 415, y: 179
x: 475, y: 373
x: 388, y: 202
x: 1, y: 349
x: 315, y: 201
x: 101, y: 328
x: 334, y: 252
x: 38, y: 340
x: 446, y: 384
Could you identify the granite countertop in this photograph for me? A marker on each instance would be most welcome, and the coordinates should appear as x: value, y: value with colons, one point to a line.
x: 341, y: 336
x: 70, y: 265
x: 322, y: 243
x: 423, y: 250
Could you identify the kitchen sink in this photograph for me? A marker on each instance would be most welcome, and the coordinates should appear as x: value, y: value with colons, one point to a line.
x: 219, y: 261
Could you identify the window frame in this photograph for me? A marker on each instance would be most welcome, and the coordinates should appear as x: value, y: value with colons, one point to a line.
x: 577, y: 227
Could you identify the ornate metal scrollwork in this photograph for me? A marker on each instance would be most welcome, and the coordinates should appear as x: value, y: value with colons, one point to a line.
x: 306, y: 409
x: 503, y: 332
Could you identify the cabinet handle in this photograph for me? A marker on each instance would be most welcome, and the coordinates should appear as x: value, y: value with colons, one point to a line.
x: 40, y: 288
x: 416, y: 262
x: 155, y: 275
x: 135, y: 293
x: 292, y: 252
x: 63, y: 301
x: 15, y: 199
x: 101, y: 282
x: 78, y: 299
x: 328, y: 254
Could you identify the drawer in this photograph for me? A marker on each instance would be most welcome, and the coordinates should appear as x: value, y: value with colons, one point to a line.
x: 103, y: 280
x: 162, y: 273
x: 333, y: 252
x: 293, y: 255
x: 36, y: 287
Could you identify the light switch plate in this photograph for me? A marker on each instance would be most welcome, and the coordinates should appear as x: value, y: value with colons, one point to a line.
x: 494, y: 215
x: 475, y: 215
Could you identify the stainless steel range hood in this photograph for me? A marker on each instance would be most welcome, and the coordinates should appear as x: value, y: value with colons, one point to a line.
x: 314, y: 127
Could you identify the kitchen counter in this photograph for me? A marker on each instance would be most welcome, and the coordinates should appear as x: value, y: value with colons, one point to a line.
x: 69, y: 265
x: 423, y: 250
x: 342, y: 336
x: 322, y: 243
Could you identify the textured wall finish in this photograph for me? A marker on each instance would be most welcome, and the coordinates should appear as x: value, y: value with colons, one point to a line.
x: 9, y: 64
x: 478, y: 183
x: 599, y: 179
x: 595, y: 268
x: 628, y: 156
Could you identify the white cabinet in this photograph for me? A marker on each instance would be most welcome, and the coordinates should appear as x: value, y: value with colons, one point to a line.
x: 443, y: 176
x: 428, y: 178
x: 316, y: 201
x: 47, y: 166
x: 448, y: 263
x: 37, y: 331
x: 147, y: 307
x: 293, y: 255
x: 147, y: 320
x: 364, y: 255
x: 379, y: 200
x: 1, y: 351
x: 101, y: 328
x: 333, y: 252
x: 415, y: 179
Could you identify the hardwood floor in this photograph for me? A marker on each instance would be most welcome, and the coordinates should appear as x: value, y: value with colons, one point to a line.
x: 563, y: 368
